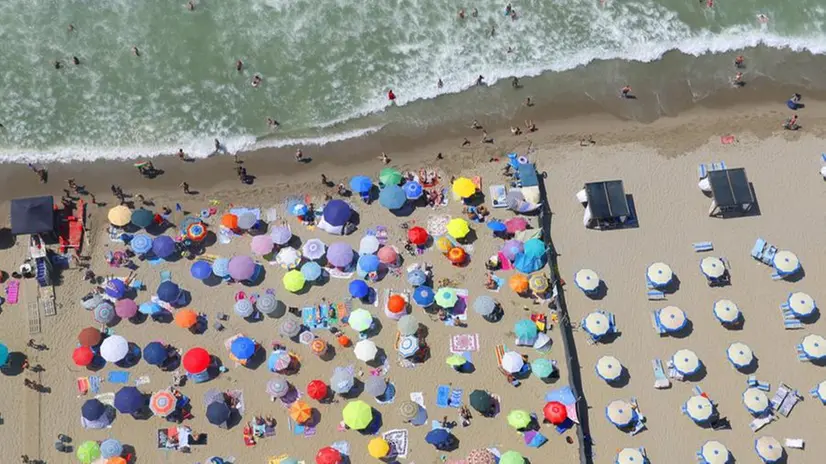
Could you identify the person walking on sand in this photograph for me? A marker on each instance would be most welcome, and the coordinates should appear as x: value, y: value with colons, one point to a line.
x: 181, y: 154
x: 299, y: 155
x: 465, y: 142
x: 185, y: 186
x: 384, y: 159
x: 625, y: 92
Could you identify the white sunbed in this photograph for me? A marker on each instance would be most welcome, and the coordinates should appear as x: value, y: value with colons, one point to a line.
x: 761, y: 422
x: 660, y: 380
x: 796, y: 443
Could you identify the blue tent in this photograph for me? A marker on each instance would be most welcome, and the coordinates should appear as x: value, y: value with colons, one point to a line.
x: 497, y: 226
x: 163, y: 246
x: 129, y: 400
x: 413, y: 190
x: 243, y: 348
x: 168, y: 291
x: 359, y: 289
x: 115, y: 288
x: 392, y: 197
x: 361, y: 184
x: 142, y: 218
x: 154, y: 353
x: 336, y: 213
x: 92, y: 409
x: 424, y: 296
x: 200, y: 270
x: 368, y: 263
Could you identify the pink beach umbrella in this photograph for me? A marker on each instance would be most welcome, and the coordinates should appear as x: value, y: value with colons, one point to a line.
x: 388, y: 255
x: 340, y: 254
x: 516, y: 224
x: 261, y: 245
x: 126, y: 308
x: 241, y: 267
x: 511, y: 248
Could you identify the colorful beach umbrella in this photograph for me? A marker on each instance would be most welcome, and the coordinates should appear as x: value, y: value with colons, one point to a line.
x: 88, y: 451
x: 496, y: 226
x: 301, y: 412
x: 230, y: 221
x: 359, y: 289
x: 289, y: 327
x: 318, y: 346
x: 458, y: 228
x: 480, y: 456
x: 659, y: 274
x: 220, y: 267
x: 699, y: 409
x: 392, y: 197
x: 162, y: 403
x: 446, y: 297
x: 186, y: 318
x: 357, y: 415
x: 200, y: 270
x: 726, y: 311
x: 597, y: 324
x: 438, y: 437
x: 630, y: 456
x: 542, y: 368
x: 299, y: 209
x: 538, y: 283
x: 361, y: 184
x: 360, y: 320
x: 218, y: 413
x: 281, y: 235
x: 340, y: 254
x: 671, y: 319
x: 740, y: 355
x: 424, y: 296
x: 768, y: 449
x: 814, y: 346
x: 288, y: 258
x: 686, y: 362
x: 416, y: 277
x: 512, y: 248
x: 756, y: 401
x: 801, y: 304
x: 408, y: 410
x: 196, y: 232
x: 609, y: 368
x: 243, y: 348
x: 620, y: 413
x: 408, y: 346
x: 464, y: 187
x: 313, y: 249
x: 110, y: 448
x: 368, y: 263
x: 141, y: 244
x: 512, y: 362
x: 518, y: 283
x: 246, y: 220
x: 241, y: 268
x: 294, y: 281
x: 388, y: 255
x: 317, y: 390
x: 714, y: 452
x: 481, y: 401
x: 456, y: 360
x: 375, y: 385
x: 261, y: 245
x: 417, y: 235
x: 366, y: 350
x: 82, y: 355
x: 105, y: 312
x: 820, y: 391
x: 196, y: 360
x: 266, y: 303
x: 149, y: 308
x: 115, y: 288
x: 328, y: 455
x: 114, y: 348
x: 168, y: 292
x: 119, y: 216
x: 555, y: 412
x: 712, y: 267
x: 525, y: 329
x: 279, y: 361
x: 92, y: 409
x: 511, y: 457
x: 408, y: 325
x: 516, y: 224
x: 390, y: 176
x: 369, y: 244
x: 126, y: 308
x: 786, y: 262
x: 519, y: 418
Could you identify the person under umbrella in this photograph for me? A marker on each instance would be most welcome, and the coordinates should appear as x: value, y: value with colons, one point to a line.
x: 129, y: 400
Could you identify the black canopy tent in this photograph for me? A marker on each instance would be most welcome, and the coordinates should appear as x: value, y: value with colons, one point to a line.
x: 607, y: 204
x: 32, y: 216
x: 731, y: 192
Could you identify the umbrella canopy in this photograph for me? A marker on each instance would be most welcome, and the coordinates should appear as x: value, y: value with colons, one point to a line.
x: 756, y: 401
x: 299, y: 209
x: 714, y: 452
x: 220, y: 267
x: 619, y: 413
x: 162, y: 403
x: 458, y: 228
x: 417, y: 235
x: 266, y: 303
x: 328, y: 455
x: 115, y: 288
x: 630, y: 456
x: 317, y: 390
x: 609, y: 368
x: 686, y: 362
x: 110, y: 448
x: 512, y: 362
x: 375, y: 385
x: 659, y: 274
x: 342, y: 380
x: 163, y: 246
x: 388, y: 255
x: 457, y: 255
x: 712, y: 267
x: 538, y: 283
x: 279, y: 360
x: 261, y: 244
x: 241, y: 267
x: 443, y: 243
x: 512, y: 248
x: 88, y: 451
x: 218, y: 413
x: 289, y: 327
x: 368, y: 263
x: 119, y: 216
x: 768, y: 449
x: 243, y: 348
x: 200, y: 270
x: 446, y: 297
x: 366, y: 350
x: 497, y: 226
x: 555, y: 412
x: 511, y: 457
x: 246, y: 220
x: 481, y: 401
x: 294, y: 281
x: 168, y: 292
x: 149, y: 308
x: 672, y: 318
x: 408, y: 410
x: 336, y: 213
x: 126, y: 308
x: 525, y: 329
x: 114, y: 348
x: 518, y: 283
x: 196, y: 360
x: 359, y: 289
x: 82, y: 355
x: 361, y: 184
x: 155, y: 353
x: 360, y: 320
x: 726, y: 311
x: 699, y: 408
x: 89, y: 336
x: 311, y: 271
x: 516, y: 224
x: 519, y: 418
x: 92, y: 409
x: 408, y: 325
x: 437, y: 437
x: 196, y: 232
x: 230, y: 221
x: 301, y: 412
x: 801, y: 304
x: 142, y: 217
x: 141, y: 244
x: 484, y: 305
x: 786, y: 262
x: 480, y: 456
x: 357, y: 415
x: 390, y: 176
x: 456, y: 360
x: 288, y: 258
x: 416, y: 277
x: 408, y: 346
x: 392, y: 197
x: 378, y: 448
x: 340, y: 254
x: 105, y: 313
x: 820, y: 391
x: 424, y: 296
x: 318, y: 346
x: 542, y: 368
x: 281, y: 235
x: 129, y: 400
x: 313, y: 248
x: 186, y: 318
x: 396, y: 304
x: 464, y: 187
x: 596, y: 324
x: 740, y: 355
x: 368, y: 245
x: 814, y: 346
x: 413, y: 190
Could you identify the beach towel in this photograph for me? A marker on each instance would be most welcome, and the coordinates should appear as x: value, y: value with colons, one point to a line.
x: 298, y: 429
x: 455, y: 399
x: 389, y: 395
x: 13, y: 291
x: 418, y: 398
x: 118, y: 377
x: 464, y: 342
x: 337, y: 273
x: 94, y: 384
x: 727, y: 139
x: 504, y: 262
x: 442, y: 396
x: 82, y: 386
x: 398, y: 441
x: 381, y: 234
x: 498, y: 196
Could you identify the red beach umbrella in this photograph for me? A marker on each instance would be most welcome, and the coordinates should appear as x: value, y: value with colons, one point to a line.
x: 83, y: 356
x: 317, y: 390
x: 328, y: 455
x: 196, y: 360
x: 89, y: 336
x: 417, y: 236
x: 555, y: 412
x: 396, y: 304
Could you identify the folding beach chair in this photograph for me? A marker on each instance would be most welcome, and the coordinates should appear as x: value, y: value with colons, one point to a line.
x: 702, y: 246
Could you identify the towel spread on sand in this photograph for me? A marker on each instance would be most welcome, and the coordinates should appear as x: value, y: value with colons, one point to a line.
x: 442, y: 396
x: 118, y: 377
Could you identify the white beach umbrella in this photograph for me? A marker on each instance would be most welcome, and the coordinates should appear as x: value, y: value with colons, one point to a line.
x: 368, y: 245
x: 586, y: 280
x: 672, y: 318
x: 740, y: 355
x: 699, y: 408
x: 630, y: 456
x: 755, y: 401
x: 786, y: 262
x: 712, y: 267
x: 768, y: 449
x: 609, y: 368
x: 659, y: 274
x: 596, y: 324
x: 714, y: 452
x: 686, y: 362
x: 114, y: 348
x: 619, y: 413
x: 288, y: 258
x: 820, y: 391
x: 366, y: 350
x: 814, y: 346
x: 726, y: 311
x: 512, y: 362
x: 801, y: 304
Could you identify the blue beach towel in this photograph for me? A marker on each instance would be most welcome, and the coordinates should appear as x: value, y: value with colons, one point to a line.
x: 118, y: 377
x: 455, y: 398
x: 442, y: 396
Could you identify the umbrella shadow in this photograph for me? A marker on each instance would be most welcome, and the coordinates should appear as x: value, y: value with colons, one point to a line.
x: 375, y: 425
x: 375, y: 329
x: 378, y: 361
x: 7, y: 239
x: 469, y: 239
x: 280, y: 310
x: 358, y: 389
x: 751, y: 368
x: 257, y: 278
x: 210, y: 240
x: 699, y: 375
x: 14, y: 365
x: 258, y: 358
x: 132, y: 358
x: 600, y: 292
x: 330, y: 354
x: 811, y: 318
x: 672, y: 286
x: 621, y: 381
x: 687, y: 330
x: 212, y: 281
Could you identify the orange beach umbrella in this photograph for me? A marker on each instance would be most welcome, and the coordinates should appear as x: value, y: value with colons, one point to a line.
x: 186, y: 318
x: 518, y: 283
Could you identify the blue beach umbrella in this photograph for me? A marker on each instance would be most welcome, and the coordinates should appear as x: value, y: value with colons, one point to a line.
x: 141, y: 244
x: 412, y: 190
x: 4, y: 354
x: 154, y: 353
x: 424, y: 296
x: 437, y: 437
x: 497, y: 226
x: 200, y: 270
x: 359, y: 289
x: 392, y: 197
x: 243, y: 348
x: 220, y: 267
x: 149, y: 308
x: 311, y: 271
x: 336, y: 213
x: 92, y: 409
x: 110, y: 448
x: 163, y: 246
x: 299, y: 209
x: 142, y: 217
x: 168, y: 291
x: 115, y: 288
x: 218, y: 413
x: 129, y: 400
x: 416, y: 277
x: 368, y: 263
x: 361, y: 184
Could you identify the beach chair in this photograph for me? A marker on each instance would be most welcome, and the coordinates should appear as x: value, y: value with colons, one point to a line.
x: 801, y: 355
x: 768, y: 255
x: 761, y: 422
x: 751, y: 381
x: 776, y: 276
x: 765, y: 386
x: 655, y: 322
x: 655, y: 295
x: 660, y: 379
x: 700, y: 247
x: 498, y: 196
x: 780, y: 395
x: 788, y: 403
x: 702, y: 171
x: 757, y: 250
x: 796, y: 443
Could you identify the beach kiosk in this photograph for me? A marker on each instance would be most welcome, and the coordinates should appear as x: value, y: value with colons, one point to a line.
x: 606, y: 206
x: 730, y: 192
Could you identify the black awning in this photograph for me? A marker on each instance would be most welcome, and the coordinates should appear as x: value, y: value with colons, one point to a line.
x: 607, y: 200
x: 730, y: 187
x: 32, y: 215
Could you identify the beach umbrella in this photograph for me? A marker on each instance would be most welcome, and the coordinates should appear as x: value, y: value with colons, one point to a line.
x: 142, y: 218
x: 408, y: 410
x: 119, y: 216
x: 220, y: 267
x: 359, y: 289
x: 378, y: 448
x: 375, y: 385
x: 446, y: 297
x: 484, y: 305
x: 726, y: 311
x: 408, y: 346
x: 516, y: 224
x: 196, y: 360
x: 155, y: 353
x: 712, y: 267
x: 542, y: 368
x: 230, y: 221
x: 261, y: 245
x: 301, y: 412
x: 281, y: 235
x: 542, y: 340
x: 168, y: 292
x: 266, y: 303
x: 801, y: 304
x: 555, y: 412
x: 115, y: 288
x: 481, y: 401
x: 279, y: 361
x: 497, y: 226
x: 317, y: 390
x: 294, y: 281
x: 336, y: 213
x: 357, y: 415
x: 368, y: 245
x: 311, y: 271
x: 392, y: 197
x: 699, y: 408
x: 609, y: 368
x: 820, y: 391
x: 241, y: 268
x: 480, y: 456
x: 597, y: 324
x: 814, y: 346
x: 186, y: 318
x: 246, y: 220
x: 672, y: 318
x: 92, y: 409
x: 740, y: 355
x: 340, y: 254
x: 366, y: 350
x: 163, y: 246
x: 388, y: 255
x: 89, y: 336
x: 456, y: 360
x: 200, y: 270
x: 328, y: 455
x: 318, y: 346
x: 110, y: 448
x: 518, y: 283
x: 149, y: 308
x: 105, y: 313
x: 218, y: 413
x: 390, y: 176
x: 686, y: 362
x: 342, y: 380
x: 438, y: 437
x: 659, y: 274
x: 786, y: 262
x: 424, y: 296
x: 243, y: 348
x: 141, y: 244
x: 619, y: 413
x: 457, y: 255
x: 126, y: 308
x: 519, y: 418
x: 756, y: 401
x: 196, y: 231
x: 82, y: 355
x: 361, y: 184
x: 417, y: 235
x: 714, y: 452
x: 768, y: 449
x: 630, y: 456
x: 360, y: 320
x: 512, y: 362
x: 512, y: 248
x: 299, y: 209
x: 114, y: 348
x: 368, y: 263
x: 416, y: 277
x: 443, y: 243
x: 511, y: 457
x: 396, y: 304
x: 538, y: 283
x: 458, y: 228
x: 129, y: 400
x: 408, y: 325
x: 313, y: 248
x: 525, y: 329
x: 162, y: 403
x: 88, y: 451
x: 464, y: 187
x: 289, y: 327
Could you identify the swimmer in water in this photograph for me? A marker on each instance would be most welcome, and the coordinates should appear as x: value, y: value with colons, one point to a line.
x: 762, y: 18
x: 75, y: 60
x: 474, y: 13
x: 508, y: 9
x: 625, y: 92
x: 492, y: 31
x: 739, y: 62
x: 190, y: 6
x: 71, y: 28
x: 57, y: 64
x: 440, y: 84
x: 273, y: 123
x: 480, y: 80
x: 256, y: 80
x: 462, y: 13
x: 738, y: 80
x: 515, y: 82
x: 239, y: 65
x: 135, y: 51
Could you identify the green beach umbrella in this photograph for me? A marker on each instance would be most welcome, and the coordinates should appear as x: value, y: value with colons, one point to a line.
x: 360, y: 320
x: 456, y: 360
x: 511, y: 457
x: 542, y: 368
x: 357, y: 415
x: 390, y: 176
x: 519, y: 418
x: 446, y: 297
x: 481, y: 401
x: 88, y: 451
x: 526, y: 329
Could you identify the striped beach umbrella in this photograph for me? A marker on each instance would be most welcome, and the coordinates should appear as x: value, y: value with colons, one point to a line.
x: 712, y: 267
x: 318, y: 346
x: 162, y: 403
x: 768, y: 449
x: 820, y: 391
x: 740, y: 355
x: 278, y: 387
x: 105, y: 312
x: 619, y: 413
x: 290, y: 327
x: 196, y: 231
x: 756, y: 401
x: 814, y: 346
x: 609, y: 368
x: 801, y: 304
x: 141, y: 243
x: 699, y: 408
x: 586, y: 280
x: 686, y: 362
x: 726, y: 311
x: 786, y: 262
x: 672, y: 318
x: 538, y: 283
x: 596, y: 324
x: 630, y: 456
x: 659, y: 274
x: 408, y: 346
x: 714, y: 452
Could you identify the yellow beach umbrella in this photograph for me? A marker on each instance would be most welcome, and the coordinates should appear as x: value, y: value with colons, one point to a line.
x: 120, y: 215
x: 464, y: 187
x: 458, y: 228
x: 378, y: 448
x: 293, y: 280
x: 444, y: 244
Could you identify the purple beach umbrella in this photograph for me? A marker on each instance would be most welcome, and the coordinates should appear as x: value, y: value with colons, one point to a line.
x: 261, y: 245
x: 241, y: 267
x: 340, y: 254
x: 281, y: 235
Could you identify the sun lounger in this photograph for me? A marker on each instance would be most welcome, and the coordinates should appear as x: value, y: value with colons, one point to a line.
x: 788, y: 404
x: 776, y: 276
x: 780, y: 395
x: 757, y: 250
x: 768, y: 255
x: 655, y: 322
x: 761, y: 422
x: 443, y: 396
x: 792, y: 324
x: 654, y: 295
x: 660, y: 380
x: 498, y: 196
x: 673, y: 373
x: 702, y: 172
x: 796, y: 443
x: 703, y: 246
x: 455, y: 399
